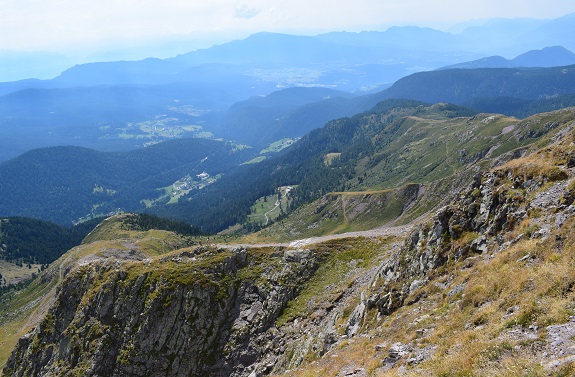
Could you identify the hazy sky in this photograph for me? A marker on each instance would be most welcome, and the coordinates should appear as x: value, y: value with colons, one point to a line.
x: 58, y: 25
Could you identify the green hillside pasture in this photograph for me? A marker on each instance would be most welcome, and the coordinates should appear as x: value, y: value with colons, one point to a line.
x: 268, y: 208
x: 14, y: 273
x: 341, y: 212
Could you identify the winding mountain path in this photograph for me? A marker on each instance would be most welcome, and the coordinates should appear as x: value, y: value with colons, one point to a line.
x: 383, y: 231
x: 271, y: 210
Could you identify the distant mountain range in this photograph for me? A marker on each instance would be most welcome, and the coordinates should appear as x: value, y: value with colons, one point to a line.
x: 517, y: 92
x: 400, y: 49
x: 547, y: 57
x: 219, y: 92
x: 44, y: 65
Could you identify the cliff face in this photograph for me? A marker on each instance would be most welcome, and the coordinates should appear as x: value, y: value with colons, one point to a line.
x: 196, y: 312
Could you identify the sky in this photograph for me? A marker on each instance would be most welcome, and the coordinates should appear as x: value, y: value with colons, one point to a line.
x: 73, y: 25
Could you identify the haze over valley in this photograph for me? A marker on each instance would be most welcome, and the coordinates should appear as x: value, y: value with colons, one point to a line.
x: 256, y: 189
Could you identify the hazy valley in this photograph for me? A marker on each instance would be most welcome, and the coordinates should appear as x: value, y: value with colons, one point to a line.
x: 347, y: 204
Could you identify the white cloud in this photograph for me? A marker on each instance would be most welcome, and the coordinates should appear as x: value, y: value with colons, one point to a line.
x: 245, y: 11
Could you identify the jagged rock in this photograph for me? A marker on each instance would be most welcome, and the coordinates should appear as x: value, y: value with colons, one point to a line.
x: 522, y: 334
x: 419, y: 355
x: 389, y: 303
x: 415, y: 285
x: 298, y: 255
x: 479, y: 245
x: 499, y: 220
x: 395, y: 353
x: 352, y: 372
x: 560, y: 347
x: 372, y: 300
x: 355, y: 320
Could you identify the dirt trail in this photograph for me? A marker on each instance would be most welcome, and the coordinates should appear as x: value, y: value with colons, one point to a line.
x: 383, y: 231
x: 377, y: 232
x: 270, y: 211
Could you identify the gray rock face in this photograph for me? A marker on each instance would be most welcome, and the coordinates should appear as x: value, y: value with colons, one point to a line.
x: 560, y: 347
x: 355, y: 320
x: 179, y: 316
x: 351, y: 371
x: 485, y: 210
x: 396, y: 352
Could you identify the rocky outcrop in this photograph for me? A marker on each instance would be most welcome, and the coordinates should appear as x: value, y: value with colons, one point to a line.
x: 475, y: 222
x: 194, y: 313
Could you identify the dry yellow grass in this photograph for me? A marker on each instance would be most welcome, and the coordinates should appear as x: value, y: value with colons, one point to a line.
x: 529, y: 284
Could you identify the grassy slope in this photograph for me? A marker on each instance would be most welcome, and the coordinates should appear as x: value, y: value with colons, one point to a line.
x: 15, y: 274
x: 338, y: 213
x: 473, y: 333
x: 485, y: 315
x: 440, y: 153
x: 344, y: 260
x: 426, y: 149
x: 268, y: 208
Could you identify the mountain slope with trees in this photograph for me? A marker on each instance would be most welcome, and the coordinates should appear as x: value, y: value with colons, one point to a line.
x: 511, y: 91
x: 396, y: 143
x: 260, y: 120
x: 64, y: 184
x: 70, y: 183
x: 25, y: 240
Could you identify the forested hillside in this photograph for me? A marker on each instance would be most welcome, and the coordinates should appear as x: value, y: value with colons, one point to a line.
x: 64, y: 184
x: 396, y: 143
x: 262, y: 120
x: 512, y: 91
x: 28, y: 246
x: 24, y: 240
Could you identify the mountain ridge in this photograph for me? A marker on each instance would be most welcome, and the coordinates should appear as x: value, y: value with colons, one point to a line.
x: 512, y: 91
x: 552, y: 56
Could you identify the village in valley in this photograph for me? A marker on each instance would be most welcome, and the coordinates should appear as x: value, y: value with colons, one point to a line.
x: 188, y: 183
